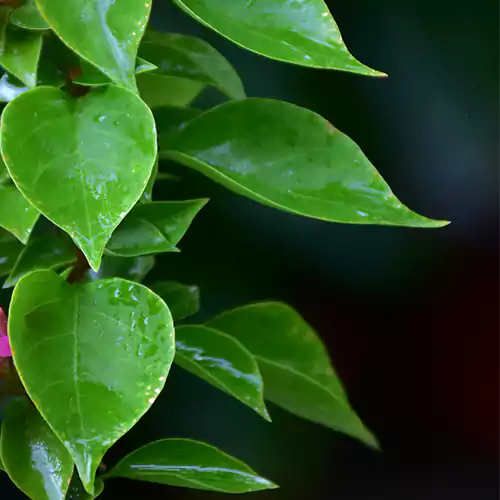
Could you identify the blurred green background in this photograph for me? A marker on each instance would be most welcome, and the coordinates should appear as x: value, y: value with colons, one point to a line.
x: 410, y: 316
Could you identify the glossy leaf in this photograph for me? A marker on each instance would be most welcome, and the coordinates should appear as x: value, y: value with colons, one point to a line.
x: 183, y: 300
x: 10, y: 87
x: 34, y: 458
x: 299, y: 32
x: 290, y: 158
x: 294, y: 364
x: 28, y: 16
x: 10, y: 248
x: 42, y: 252
x: 21, y: 54
x: 88, y: 160
x: 133, y: 269
x: 159, y: 90
x: 154, y: 228
x: 191, y: 58
x: 190, y: 464
x: 223, y: 362
x: 90, y: 75
x: 170, y: 121
x: 107, y: 34
x: 114, y: 343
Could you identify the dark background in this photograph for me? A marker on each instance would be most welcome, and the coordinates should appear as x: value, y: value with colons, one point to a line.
x: 409, y: 316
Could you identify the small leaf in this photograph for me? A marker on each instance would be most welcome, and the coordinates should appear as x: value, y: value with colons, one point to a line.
x: 154, y: 228
x: 10, y: 87
x: 159, y: 90
x: 88, y: 160
x: 107, y: 34
x: 10, y: 248
x: 114, y: 343
x: 183, y: 300
x: 290, y: 158
x: 21, y: 54
x: 190, y: 464
x: 221, y: 361
x: 133, y: 269
x: 170, y: 121
x: 33, y: 457
x: 28, y: 16
x: 91, y: 76
x: 294, y: 364
x: 42, y: 252
x: 189, y: 57
x: 302, y: 32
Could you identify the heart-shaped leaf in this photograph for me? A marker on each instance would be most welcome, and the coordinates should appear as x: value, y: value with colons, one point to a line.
x: 84, y: 163
x: 154, y: 228
x: 107, y: 34
x: 295, y: 366
x: 114, y: 344
x: 10, y: 248
x: 223, y: 362
x: 290, y: 158
x: 42, y: 252
x: 190, y: 464
x: 28, y: 16
x: 183, y: 300
x: 299, y: 32
x: 170, y: 121
x: 159, y: 90
x: 21, y: 54
x: 33, y: 457
x: 191, y: 58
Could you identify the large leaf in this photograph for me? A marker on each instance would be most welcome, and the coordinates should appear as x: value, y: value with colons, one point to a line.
x: 183, y: 300
x: 290, y: 158
x: 191, y: 58
x: 190, y: 464
x: 105, y: 33
x: 133, y: 269
x: 28, y: 16
x: 42, y: 252
x: 33, y: 456
x: 84, y: 162
x: 299, y: 32
x: 153, y: 228
x: 223, y: 362
x: 10, y: 248
x: 21, y: 54
x: 295, y: 366
x: 114, y: 343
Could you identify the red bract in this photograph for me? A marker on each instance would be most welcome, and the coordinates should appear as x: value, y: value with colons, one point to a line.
x: 5, y: 351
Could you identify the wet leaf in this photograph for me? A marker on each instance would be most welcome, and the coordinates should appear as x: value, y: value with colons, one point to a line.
x: 34, y: 458
x: 183, y: 300
x: 114, y: 343
x: 28, y: 16
x: 223, y: 362
x: 294, y: 364
x: 190, y: 464
x: 107, y: 34
x: 290, y: 158
x: 88, y: 160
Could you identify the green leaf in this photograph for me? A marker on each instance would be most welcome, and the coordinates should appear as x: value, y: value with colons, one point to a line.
x: 114, y: 343
x: 191, y: 58
x: 159, y: 90
x: 221, y: 361
x: 190, y: 464
x: 10, y: 248
x: 107, y: 34
x: 28, y: 16
x: 21, y: 54
x: 154, y: 228
x: 170, y: 121
x: 90, y: 75
x: 133, y: 269
x: 294, y: 364
x: 76, y: 490
x: 147, y: 195
x: 5, y: 11
x: 290, y: 158
x: 42, y: 252
x: 183, y: 300
x: 10, y: 87
x: 85, y: 162
x: 302, y: 32
x: 34, y: 458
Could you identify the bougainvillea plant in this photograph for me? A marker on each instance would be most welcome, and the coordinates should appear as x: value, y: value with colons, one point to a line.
x: 95, y: 102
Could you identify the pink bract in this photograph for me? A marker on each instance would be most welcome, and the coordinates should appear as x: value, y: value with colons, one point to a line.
x: 5, y: 351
